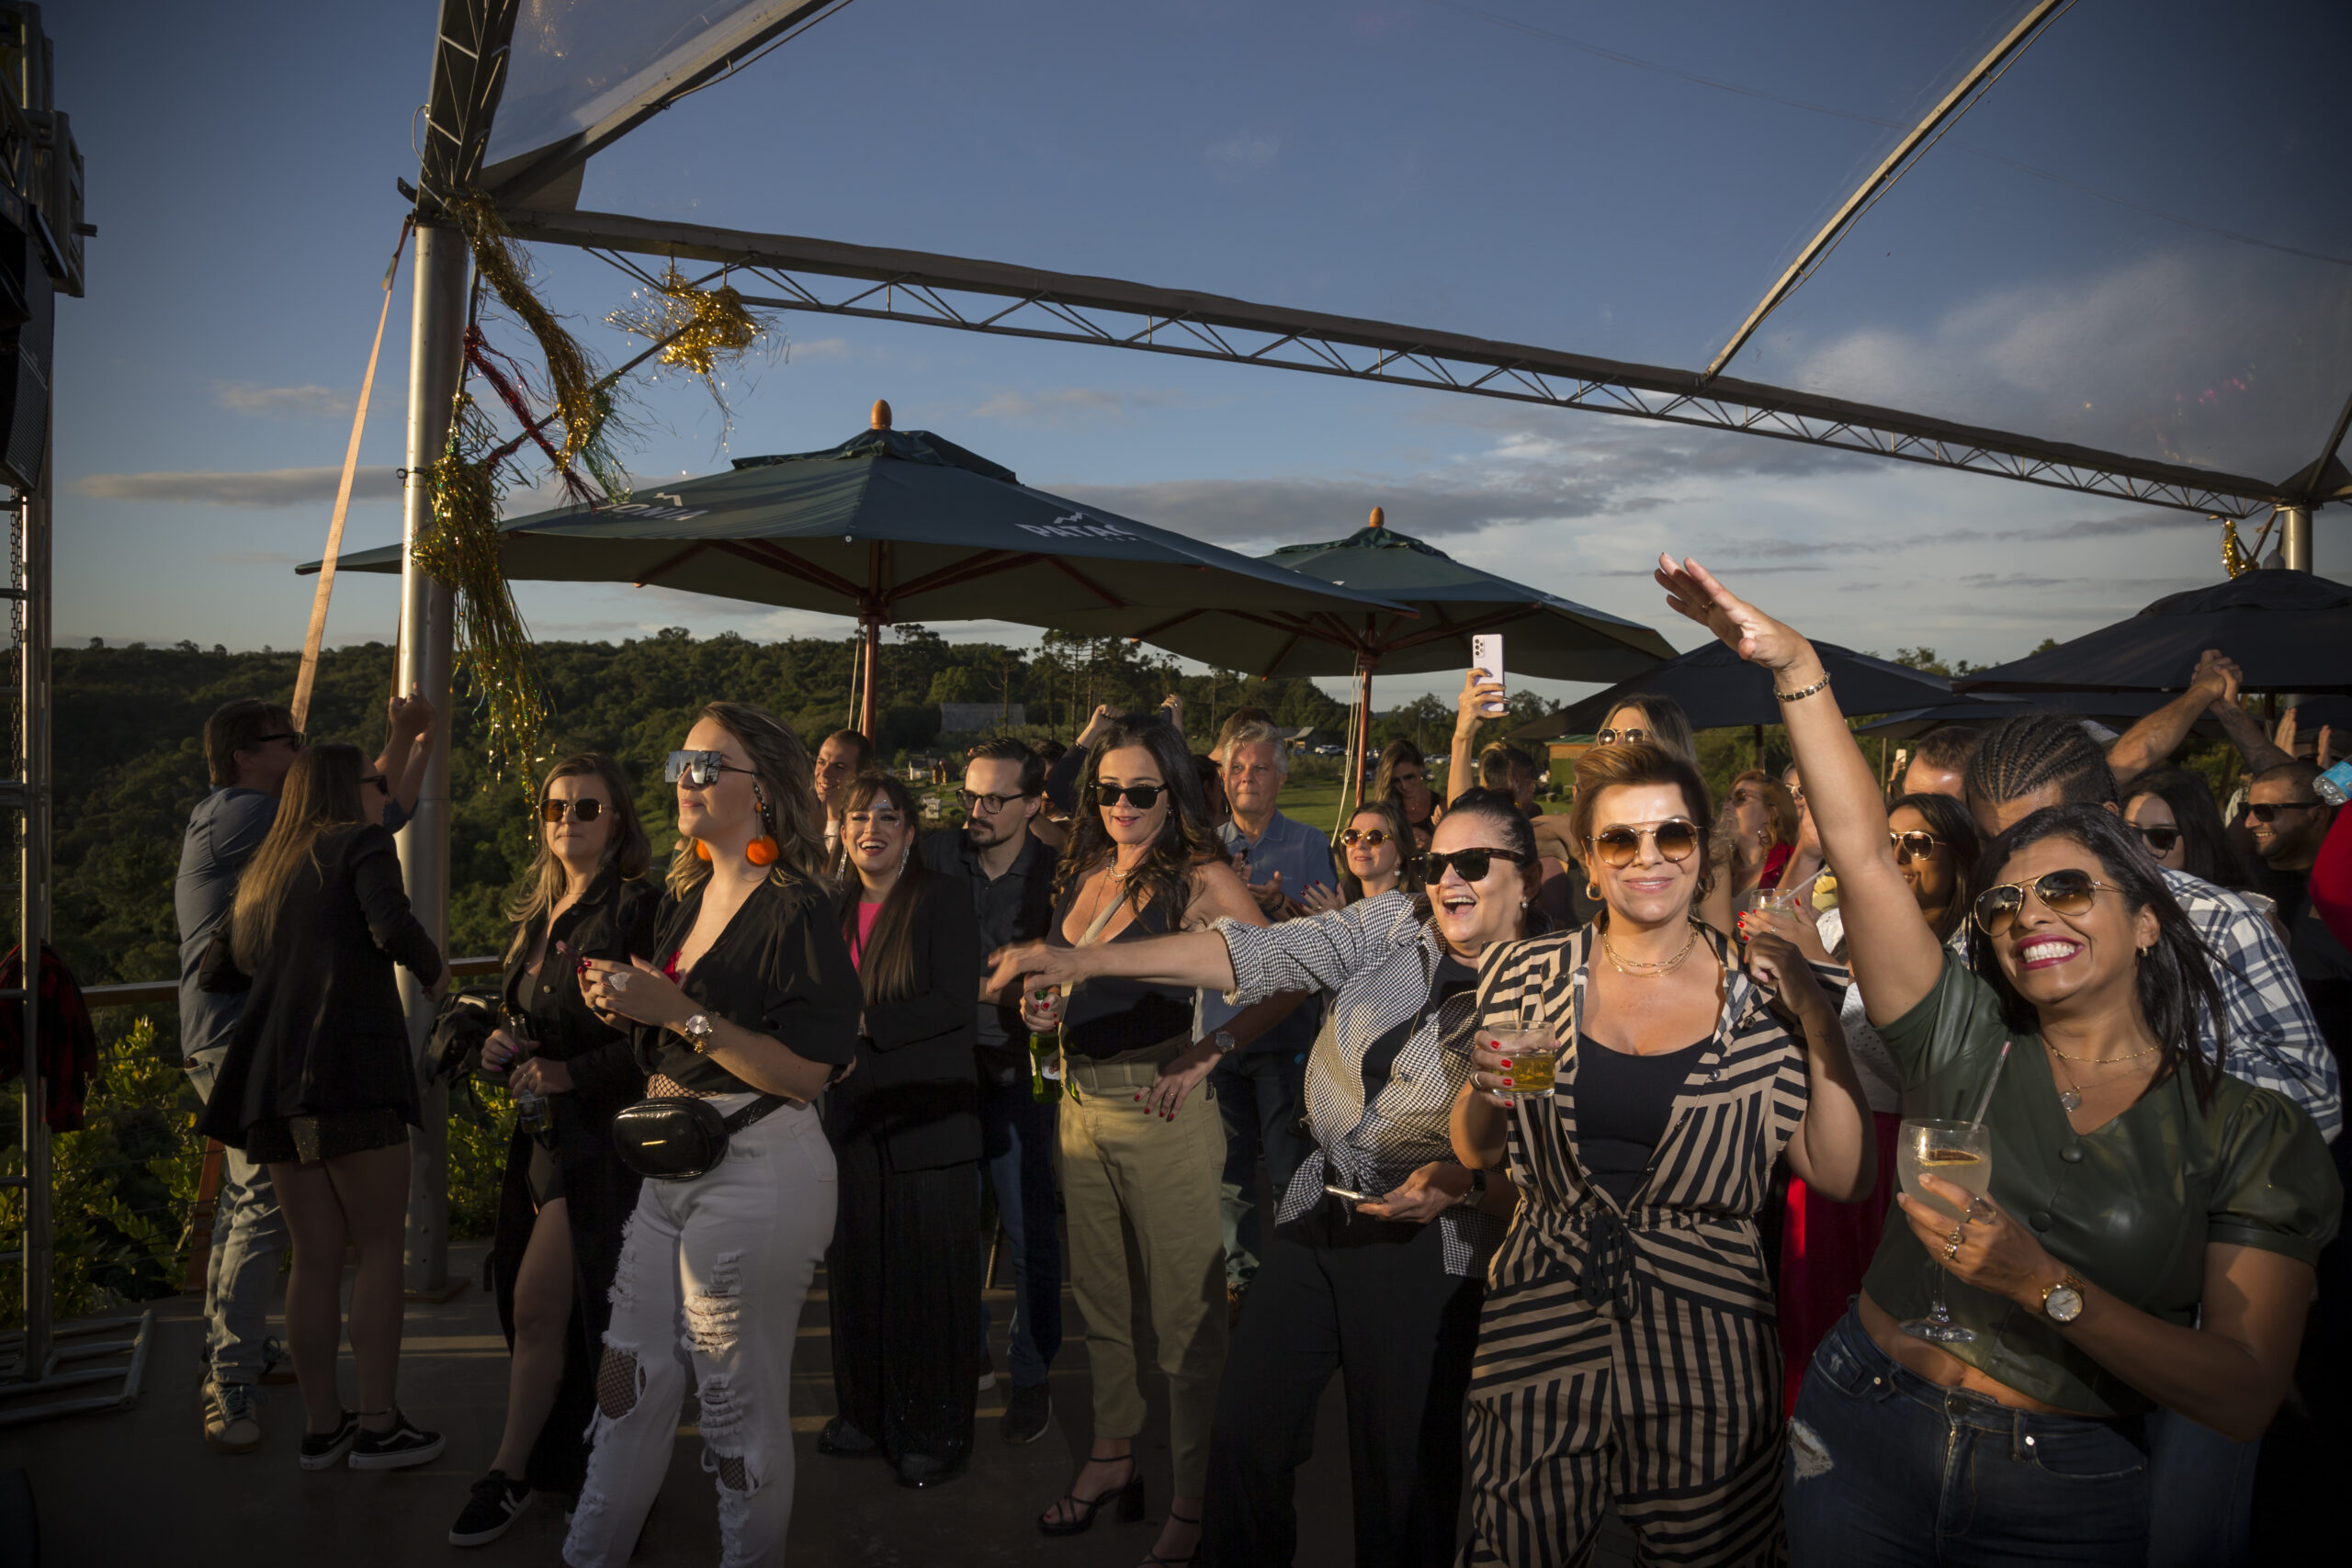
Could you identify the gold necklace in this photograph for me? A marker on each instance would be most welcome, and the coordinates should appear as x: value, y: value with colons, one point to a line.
x: 1649, y: 969
x: 2070, y: 1099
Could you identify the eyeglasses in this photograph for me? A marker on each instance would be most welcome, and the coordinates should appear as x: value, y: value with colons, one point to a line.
x: 2068, y: 893
x: 2160, y: 840
x: 296, y: 736
x: 1916, y: 844
x: 700, y: 769
x: 992, y: 804
x: 2268, y: 811
x: 583, y: 809
x: 1142, y: 796
x: 1618, y: 847
x: 1371, y: 838
x: 1612, y: 736
x: 1472, y: 864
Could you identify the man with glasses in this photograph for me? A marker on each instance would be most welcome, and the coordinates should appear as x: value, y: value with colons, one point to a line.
x: 248, y: 747
x: 1011, y: 872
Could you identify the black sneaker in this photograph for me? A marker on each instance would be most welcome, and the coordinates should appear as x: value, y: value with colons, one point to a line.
x: 839, y: 1440
x: 405, y: 1445
x: 496, y: 1504
x: 324, y: 1450
x: 1028, y: 1410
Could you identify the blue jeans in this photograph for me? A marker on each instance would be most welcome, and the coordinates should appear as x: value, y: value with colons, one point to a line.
x: 248, y: 1235
x: 1884, y: 1469
x: 1261, y: 1095
x: 2203, y: 1486
x: 1017, y: 1143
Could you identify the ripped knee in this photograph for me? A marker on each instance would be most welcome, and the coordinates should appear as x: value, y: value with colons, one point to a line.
x: 712, y: 1315
x: 620, y: 1383
x: 1808, y: 1455
x: 723, y: 1438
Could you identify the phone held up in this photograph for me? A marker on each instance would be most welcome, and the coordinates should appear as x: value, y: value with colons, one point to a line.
x: 1486, y: 657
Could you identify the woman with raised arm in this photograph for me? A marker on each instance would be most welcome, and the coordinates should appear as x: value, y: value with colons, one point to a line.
x: 565, y: 1194
x: 1375, y: 1267
x: 2148, y: 1234
x: 750, y: 1004
x: 1626, y: 1352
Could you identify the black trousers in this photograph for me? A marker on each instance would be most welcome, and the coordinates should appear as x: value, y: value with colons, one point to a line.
x: 1371, y: 1301
x: 904, y: 1270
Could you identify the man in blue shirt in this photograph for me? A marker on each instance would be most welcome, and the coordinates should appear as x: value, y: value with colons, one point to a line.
x: 1261, y: 1086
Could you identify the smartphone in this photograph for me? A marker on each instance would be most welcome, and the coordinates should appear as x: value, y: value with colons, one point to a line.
x: 1486, y: 656
x: 1350, y: 1193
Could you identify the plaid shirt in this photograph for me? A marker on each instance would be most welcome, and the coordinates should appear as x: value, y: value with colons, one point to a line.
x: 2274, y: 1042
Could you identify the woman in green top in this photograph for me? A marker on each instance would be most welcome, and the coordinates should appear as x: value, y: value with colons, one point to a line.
x: 2151, y: 1227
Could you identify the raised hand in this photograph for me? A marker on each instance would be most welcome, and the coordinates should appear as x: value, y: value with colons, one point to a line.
x: 1692, y: 591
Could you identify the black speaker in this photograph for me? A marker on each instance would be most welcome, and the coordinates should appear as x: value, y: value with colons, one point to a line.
x: 27, y: 341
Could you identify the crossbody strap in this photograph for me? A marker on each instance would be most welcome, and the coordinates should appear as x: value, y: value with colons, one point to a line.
x: 754, y: 1112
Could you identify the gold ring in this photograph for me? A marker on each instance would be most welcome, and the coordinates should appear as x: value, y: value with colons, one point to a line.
x: 1951, y: 1252
x: 1957, y: 1234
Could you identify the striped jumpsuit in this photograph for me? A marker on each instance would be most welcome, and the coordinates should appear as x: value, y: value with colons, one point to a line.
x: 1631, y: 1353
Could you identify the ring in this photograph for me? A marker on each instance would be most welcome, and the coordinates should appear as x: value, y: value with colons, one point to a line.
x: 1957, y: 1234
x: 617, y: 980
x: 1978, y: 1209
x: 1951, y: 1252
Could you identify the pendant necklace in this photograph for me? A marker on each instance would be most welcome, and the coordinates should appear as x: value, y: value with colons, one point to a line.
x: 2070, y: 1099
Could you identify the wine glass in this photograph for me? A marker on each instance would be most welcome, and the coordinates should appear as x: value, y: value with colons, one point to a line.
x: 1962, y: 1154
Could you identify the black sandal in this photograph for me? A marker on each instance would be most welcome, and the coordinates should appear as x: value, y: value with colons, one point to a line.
x: 1128, y: 1495
x: 1153, y: 1559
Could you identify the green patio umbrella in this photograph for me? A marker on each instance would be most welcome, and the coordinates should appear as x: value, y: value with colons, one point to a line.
x: 895, y: 526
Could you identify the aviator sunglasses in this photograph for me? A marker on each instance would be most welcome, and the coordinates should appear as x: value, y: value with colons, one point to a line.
x: 584, y: 809
x: 1916, y: 844
x: 1142, y: 796
x: 1612, y: 736
x: 2064, y: 893
x: 1676, y: 838
x: 700, y: 769
x: 1472, y: 864
x: 1371, y: 838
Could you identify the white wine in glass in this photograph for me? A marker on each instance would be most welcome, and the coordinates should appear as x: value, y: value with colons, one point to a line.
x: 1962, y: 1154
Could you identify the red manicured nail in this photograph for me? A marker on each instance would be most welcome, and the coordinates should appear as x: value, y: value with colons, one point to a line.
x: 1506, y: 1064
x: 1508, y: 1084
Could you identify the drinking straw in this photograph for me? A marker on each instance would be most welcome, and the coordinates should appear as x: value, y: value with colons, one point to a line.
x: 1986, y: 1104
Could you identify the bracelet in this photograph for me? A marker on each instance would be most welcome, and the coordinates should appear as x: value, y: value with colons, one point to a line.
x: 1820, y: 685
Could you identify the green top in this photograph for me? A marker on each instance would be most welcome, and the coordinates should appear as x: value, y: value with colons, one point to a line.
x: 2131, y: 1206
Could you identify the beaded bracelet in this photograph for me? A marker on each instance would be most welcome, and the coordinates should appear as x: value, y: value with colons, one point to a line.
x: 1793, y: 696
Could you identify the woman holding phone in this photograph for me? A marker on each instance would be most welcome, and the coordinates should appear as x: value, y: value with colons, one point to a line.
x: 565, y: 1194
x: 749, y: 1002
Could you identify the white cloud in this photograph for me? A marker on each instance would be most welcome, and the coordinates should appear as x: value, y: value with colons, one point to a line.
x: 1064, y: 406
x: 281, y: 402
x: 260, y: 488
x: 818, y: 348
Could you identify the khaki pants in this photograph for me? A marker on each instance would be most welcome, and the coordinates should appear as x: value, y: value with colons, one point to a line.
x: 1125, y: 1170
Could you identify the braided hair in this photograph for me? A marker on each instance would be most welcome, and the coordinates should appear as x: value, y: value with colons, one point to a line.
x: 2034, y: 751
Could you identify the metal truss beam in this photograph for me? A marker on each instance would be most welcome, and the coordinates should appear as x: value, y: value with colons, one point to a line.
x: 872, y: 283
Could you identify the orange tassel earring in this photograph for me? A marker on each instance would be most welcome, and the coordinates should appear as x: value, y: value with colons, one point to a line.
x: 702, y: 850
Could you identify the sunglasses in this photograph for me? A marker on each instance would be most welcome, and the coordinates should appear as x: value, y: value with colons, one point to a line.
x: 2066, y: 893
x: 1676, y: 838
x: 2159, y: 841
x: 992, y: 804
x: 700, y: 769
x: 1371, y: 838
x: 1612, y: 736
x: 379, y: 781
x: 1472, y: 864
x: 2269, y: 813
x: 1916, y: 844
x: 296, y: 736
x: 1142, y: 797
x: 586, y: 809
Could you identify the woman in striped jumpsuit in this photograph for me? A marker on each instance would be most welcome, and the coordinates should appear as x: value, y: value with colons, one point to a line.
x: 1627, y: 1349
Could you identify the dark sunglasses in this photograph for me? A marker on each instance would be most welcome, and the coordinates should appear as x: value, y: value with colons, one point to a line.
x: 1372, y: 838
x: 1472, y: 864
x: 1916, y: 844
x: 2268, y: 812
x: 379, y: 780
x: 586, y: 809
x: 992, y: 804
x: 2068, y: 893
x: 2159, y: 841
x: 700, y: 769
x: 1612, y: 736
x: 296, y: 736
x: 1142, y: 797
x: 1677, y: 838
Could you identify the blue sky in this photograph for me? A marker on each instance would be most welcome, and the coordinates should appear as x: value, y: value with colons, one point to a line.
x: 2123, y: 244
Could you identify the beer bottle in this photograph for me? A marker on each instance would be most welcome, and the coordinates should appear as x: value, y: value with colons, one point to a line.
x: 1045, y: 1067
x: 530, y: 1110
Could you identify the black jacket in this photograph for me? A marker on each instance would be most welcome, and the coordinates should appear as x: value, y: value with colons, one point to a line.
x: 612, y: 920
x: 322, y: 1031
x: 917, y: 1087
x: 780, y: 967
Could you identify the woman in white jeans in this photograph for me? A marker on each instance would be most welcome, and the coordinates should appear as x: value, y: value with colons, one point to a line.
x: 749, y: 992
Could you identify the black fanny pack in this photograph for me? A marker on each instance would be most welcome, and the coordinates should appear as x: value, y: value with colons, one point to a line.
x: 678, y: 1137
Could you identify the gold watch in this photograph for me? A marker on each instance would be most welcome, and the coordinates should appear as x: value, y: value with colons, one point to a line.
x: 2063, y: 1303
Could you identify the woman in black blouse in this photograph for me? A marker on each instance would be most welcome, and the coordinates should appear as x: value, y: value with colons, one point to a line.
x: 749, y: 1001
x: 318, y: 1084
x: 565, y: 1194
x: 904, y: 1269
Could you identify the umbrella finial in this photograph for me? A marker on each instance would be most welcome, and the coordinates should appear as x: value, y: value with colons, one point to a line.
x: 1379, y: 518
x: 881, y: 413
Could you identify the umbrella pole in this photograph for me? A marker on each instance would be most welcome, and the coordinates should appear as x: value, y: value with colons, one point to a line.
x: 1353, y: 789
x: 1760, y: 748
x: 865, y: 700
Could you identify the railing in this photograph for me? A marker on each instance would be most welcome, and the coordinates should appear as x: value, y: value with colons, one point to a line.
x: 159, y: 993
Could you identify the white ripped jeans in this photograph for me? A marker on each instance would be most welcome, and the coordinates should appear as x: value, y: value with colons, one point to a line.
x: 710, y: 1284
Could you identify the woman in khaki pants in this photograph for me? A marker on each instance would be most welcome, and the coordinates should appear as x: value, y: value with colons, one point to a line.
x: 1142, y: 1155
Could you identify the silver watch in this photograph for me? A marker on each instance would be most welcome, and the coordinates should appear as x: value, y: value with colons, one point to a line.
x: 698, y: 1031
x: 1224, y: 1043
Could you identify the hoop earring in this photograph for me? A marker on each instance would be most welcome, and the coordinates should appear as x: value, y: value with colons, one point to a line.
x: 1592, y: 891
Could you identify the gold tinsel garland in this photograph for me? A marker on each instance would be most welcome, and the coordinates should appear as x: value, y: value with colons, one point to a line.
x: 461, y: 551
x: 501, y: 264
x: 2233, y: 557
x: 699, y: 331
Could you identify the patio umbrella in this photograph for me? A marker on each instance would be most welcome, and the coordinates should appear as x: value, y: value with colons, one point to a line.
x: 1543, y: 634
x: 899, y: 525
x: 2290, y: 631
x: 2117, y: 711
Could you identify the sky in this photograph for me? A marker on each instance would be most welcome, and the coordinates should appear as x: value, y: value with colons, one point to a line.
x: 2119, y: 245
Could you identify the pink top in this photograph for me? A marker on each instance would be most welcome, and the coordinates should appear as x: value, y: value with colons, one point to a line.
x: 867, y: 915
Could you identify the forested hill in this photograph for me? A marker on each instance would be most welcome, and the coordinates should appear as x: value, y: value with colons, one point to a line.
x: 130, y: 766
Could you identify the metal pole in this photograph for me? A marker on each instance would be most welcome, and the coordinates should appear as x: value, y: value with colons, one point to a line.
x: 2295, y: 537
x: 865, y: 700
x: 436, y: 356
x: 32, y: 878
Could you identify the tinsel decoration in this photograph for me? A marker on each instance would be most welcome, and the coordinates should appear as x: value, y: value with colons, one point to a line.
x: 500, y: 261
x: 461, y: 551
x: 2233, y: 557
x: 699, y: 331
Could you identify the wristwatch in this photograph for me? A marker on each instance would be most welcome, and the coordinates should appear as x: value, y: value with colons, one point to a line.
x: 2063, y: 1303
x: 698, y: 1031
x: 1478, y: 1192
x: 1224, y: 1043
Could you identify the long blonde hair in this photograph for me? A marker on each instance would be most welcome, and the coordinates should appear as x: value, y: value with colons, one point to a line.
x: 785, y: 775
x: 627, y: 851
x: 321, y: 793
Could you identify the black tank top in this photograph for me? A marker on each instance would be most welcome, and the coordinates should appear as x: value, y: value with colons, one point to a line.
x: 1622, y: 1104
x: 1105, y: 1017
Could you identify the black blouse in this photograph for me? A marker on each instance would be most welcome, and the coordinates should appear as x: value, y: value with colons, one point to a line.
x: 613, y: 920
x: 1106, y: 1017
x: 917, y: 1087
x: 780, y: 968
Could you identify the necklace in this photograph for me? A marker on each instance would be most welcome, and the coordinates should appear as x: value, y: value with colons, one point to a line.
x: 1649, y: 969
x: 2070, y: 1099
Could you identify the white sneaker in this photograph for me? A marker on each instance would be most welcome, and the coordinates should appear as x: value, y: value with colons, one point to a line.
x: 987, y: 1379
x: 231, y: 1426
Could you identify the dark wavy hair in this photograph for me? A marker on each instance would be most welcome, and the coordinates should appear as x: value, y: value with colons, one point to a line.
x: 1408, y: 849
x: 1500, y: 809
x: 1949, y: 820
x: 2178, y: 995
x: 885, y: 970
x: 1186, y: 838
x: 2204, y: 841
